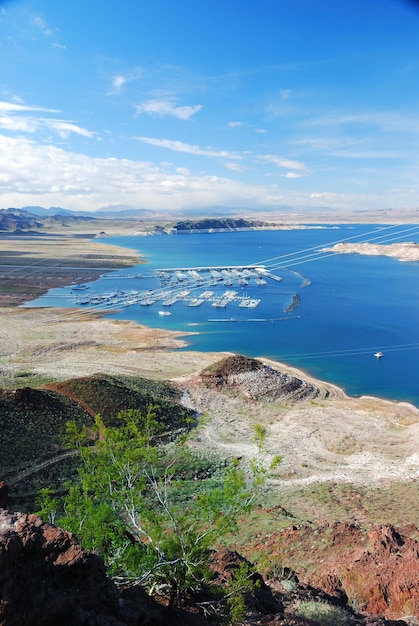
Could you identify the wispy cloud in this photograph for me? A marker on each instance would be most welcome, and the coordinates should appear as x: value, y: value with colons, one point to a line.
x: 282, y: 162
x: 386, y: 121
x: 364, y: 146
x: 235, y: 167
x: 43, y: 27
x: 14, y: 106
x: 119, y: 80
x: 284, y: 94
x: 65, y: 128
x: 163, y: 108
x: 22, y: 118
x: 180, y: 146
x: 47, y: 31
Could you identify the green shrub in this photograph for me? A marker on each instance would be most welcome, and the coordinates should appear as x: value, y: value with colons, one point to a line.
x: 325, y: 614
x: 135, y: 506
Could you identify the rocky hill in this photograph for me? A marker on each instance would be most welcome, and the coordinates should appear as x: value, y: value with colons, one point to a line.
x: 257, y: 381
x: 12, y: 220
x: 33, y: 452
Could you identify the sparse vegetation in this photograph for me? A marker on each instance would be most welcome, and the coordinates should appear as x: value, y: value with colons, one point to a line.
x: 324, y: 614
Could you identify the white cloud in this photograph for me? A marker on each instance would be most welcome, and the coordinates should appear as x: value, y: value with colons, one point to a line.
x: 261, y: 131
x: 32, y: 173
x: 78, y: 182
x: 18, y: 124
x: 163, y: 108
x: 291, y: 175
x: 180, y: 146
x: 235, y: 167
x: 119, y: 80
x: 234, y: 124
x: 22, y: 118
x: 117, y: 83
x: 65, y: 129
x: 282, y: 162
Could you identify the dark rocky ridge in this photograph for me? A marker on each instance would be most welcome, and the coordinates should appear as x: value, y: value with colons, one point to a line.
x: 210, y: 224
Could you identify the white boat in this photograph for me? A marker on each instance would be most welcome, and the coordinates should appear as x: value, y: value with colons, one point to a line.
x: 378, y: 355
x: 80, y: 287
x: 165, y: 313
x: 220, y: 303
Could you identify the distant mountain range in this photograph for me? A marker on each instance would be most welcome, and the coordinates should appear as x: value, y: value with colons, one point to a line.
x: 123, y: 211
x: 21, y: 220
x: 33, y: 219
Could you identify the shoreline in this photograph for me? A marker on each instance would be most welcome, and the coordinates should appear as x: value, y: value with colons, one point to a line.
x: 83, y: 343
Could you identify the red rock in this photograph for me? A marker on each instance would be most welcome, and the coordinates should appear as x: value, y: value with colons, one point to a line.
x: 47, y: 578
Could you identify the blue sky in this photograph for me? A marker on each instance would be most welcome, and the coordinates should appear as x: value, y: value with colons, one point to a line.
x: 177, y: 104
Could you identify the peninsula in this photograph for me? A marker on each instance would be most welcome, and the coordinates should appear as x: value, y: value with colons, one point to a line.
x: 406, y: 251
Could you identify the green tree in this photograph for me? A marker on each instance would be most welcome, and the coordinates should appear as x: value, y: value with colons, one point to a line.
x: 130, y: 505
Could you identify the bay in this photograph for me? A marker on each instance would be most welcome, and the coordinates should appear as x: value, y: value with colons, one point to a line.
x: 347, y: 306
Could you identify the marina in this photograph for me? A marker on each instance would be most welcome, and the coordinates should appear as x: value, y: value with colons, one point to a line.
x: 172, y: 291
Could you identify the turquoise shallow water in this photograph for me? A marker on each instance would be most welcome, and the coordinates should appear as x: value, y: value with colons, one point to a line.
x: 349, y: 306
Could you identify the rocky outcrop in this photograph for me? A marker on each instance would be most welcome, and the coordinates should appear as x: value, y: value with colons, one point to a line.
x: 257, y: 381
x: 47, y: 578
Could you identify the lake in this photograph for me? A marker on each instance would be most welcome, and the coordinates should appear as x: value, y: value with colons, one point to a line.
x: 327, y: 315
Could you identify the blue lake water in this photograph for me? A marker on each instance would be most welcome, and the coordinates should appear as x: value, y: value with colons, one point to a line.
x: 349, y: 306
